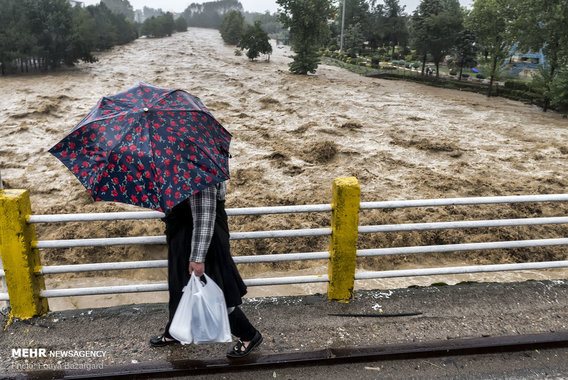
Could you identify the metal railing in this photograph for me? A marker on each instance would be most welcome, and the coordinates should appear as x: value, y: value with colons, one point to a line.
x: 313, y: 232
x: 58, y: 269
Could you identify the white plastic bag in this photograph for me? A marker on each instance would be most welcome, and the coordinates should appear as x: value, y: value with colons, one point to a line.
x: 201, y: 316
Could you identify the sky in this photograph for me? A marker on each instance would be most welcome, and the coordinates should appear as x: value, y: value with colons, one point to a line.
x: 248, y: 5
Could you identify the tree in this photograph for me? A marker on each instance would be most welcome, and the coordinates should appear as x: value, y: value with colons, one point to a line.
x: 16, y: 38
x: 121, y: 7
x: 542, y: 24
x: 489, y: 20
x: 255, y: 41
x: 50, y: 22
x: 84, y: 34
x: 395, y: 25
x: 435, y: 27
x: 419, y: 27
x: 269, y: 22
x: 353, y: 39
x: 158, y: 27
x: 210, y: 14
x: 466, y: 51
x: 559, y: 92
x: 181, y: 24
x: 377, y: 32
x: 307, y: 20
x: 232, y: 27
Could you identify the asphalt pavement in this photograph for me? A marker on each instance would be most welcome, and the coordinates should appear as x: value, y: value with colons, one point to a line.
x: 343, y: 339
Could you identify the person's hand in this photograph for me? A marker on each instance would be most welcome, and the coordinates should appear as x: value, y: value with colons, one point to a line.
x: 197, y: 268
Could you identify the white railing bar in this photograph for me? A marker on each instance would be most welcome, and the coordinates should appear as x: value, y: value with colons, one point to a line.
x: 2, y: 273
x: 100, y: 242
x: 58, y: 269
x: 461, y: 247
x: 139, y: 240
x: 286, y: 280
x: 460, y: 270
x: 4, y: 297
x: 464, y: 201
x: 164, y: 286
x: 281, y: 257
x: 461, y: 224
x: 104, y: 290
x: 86, y: 217
x: 280, y: 233
x: 278, y: 209
x: 133, y: 215
x: 95, y: 217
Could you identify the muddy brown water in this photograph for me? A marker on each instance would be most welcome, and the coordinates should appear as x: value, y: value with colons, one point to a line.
x: 291, y: 136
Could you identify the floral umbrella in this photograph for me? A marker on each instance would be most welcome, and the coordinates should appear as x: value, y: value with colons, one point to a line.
x: 147, y: 146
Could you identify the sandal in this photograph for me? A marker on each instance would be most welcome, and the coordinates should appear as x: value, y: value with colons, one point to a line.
x: 240, y: 350
x: 162, y: 340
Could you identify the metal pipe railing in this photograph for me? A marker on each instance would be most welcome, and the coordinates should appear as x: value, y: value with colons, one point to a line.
x: 461, y: 224
x: 140, y: 240
x: 461, y: 247
x: 464, y: 201
x: 57, y: 269
x: 134, y: 215
x: 460, y: 270
x: 51, y: 293
x: 75, y: 268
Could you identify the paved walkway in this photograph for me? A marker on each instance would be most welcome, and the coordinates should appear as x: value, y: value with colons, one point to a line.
x: 102, y: 338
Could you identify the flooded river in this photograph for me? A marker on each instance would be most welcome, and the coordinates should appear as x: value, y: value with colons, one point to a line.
x: 291, y: 136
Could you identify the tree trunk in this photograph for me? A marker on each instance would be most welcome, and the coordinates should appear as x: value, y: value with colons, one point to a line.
x: 493, y: 69
x: 423, y: 64
x: 547, y: 99
x: 437, y: 69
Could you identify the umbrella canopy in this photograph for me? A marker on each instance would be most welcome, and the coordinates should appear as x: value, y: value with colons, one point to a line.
x: 147, y: 146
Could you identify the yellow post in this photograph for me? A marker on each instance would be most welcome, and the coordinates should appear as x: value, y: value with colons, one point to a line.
x: 19, y: 257
x: 343, y: 244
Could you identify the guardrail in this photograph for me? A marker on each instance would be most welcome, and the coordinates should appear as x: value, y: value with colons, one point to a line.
x: 24, y: 273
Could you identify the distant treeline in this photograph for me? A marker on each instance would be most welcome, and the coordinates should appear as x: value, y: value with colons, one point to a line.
x: 210, y: 14
x: 39, y: 35
x: 44, y: 34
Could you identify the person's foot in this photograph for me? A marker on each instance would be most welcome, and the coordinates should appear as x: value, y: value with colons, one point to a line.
x: 162, y: 340
x: 242, y: 349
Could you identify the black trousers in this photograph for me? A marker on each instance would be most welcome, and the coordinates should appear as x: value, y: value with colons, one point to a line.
x: 219, y: 265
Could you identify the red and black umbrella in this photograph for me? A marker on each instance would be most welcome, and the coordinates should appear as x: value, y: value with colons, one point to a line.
x: 147, y: 146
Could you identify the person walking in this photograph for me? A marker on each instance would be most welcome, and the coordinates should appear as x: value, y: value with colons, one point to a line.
x: 197, y: 234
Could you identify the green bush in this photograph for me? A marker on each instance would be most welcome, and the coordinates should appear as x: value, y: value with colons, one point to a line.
x: 517, y: 85
x: 232, y: 27
x: 375, y: 60
x: 480, y: 76
x: 465, y: 75
x: 387, y: 67
x: 453, y: 72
